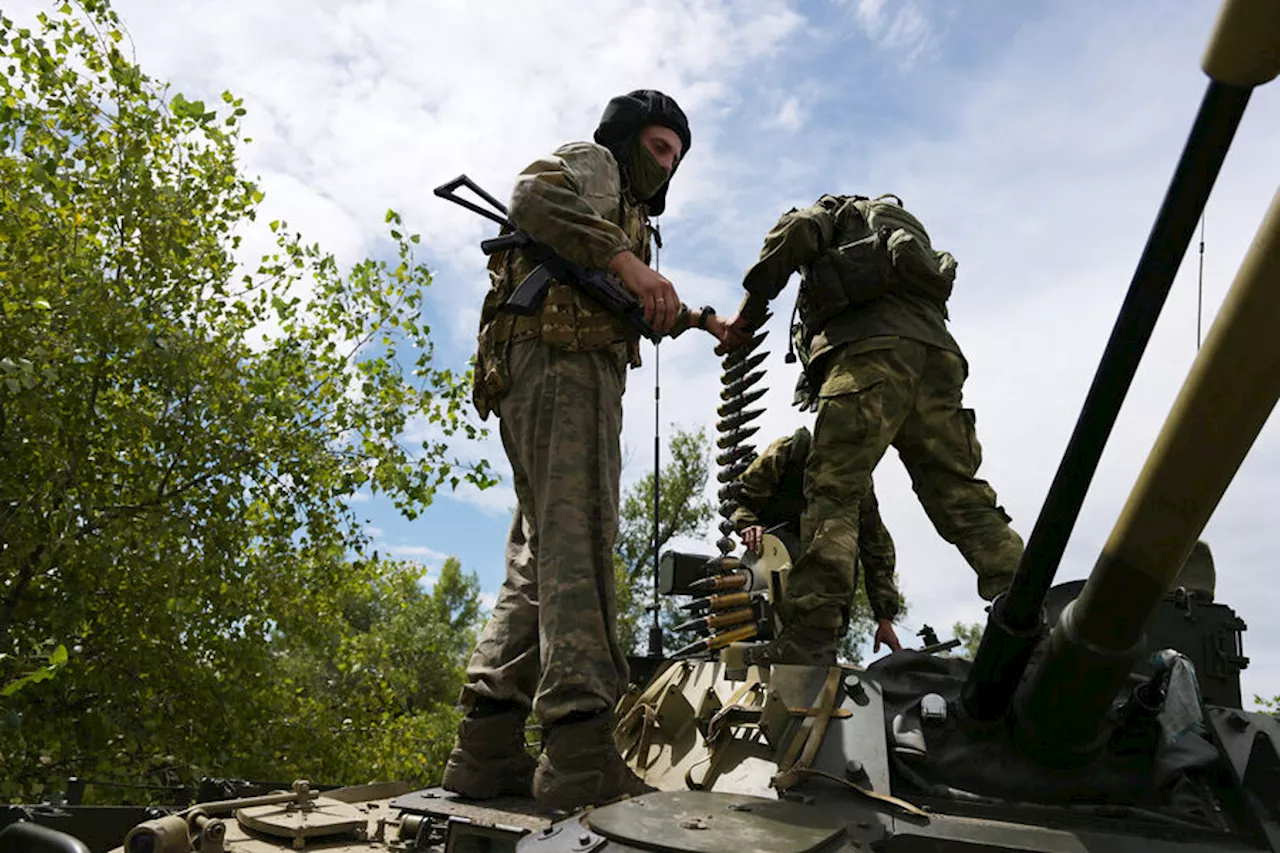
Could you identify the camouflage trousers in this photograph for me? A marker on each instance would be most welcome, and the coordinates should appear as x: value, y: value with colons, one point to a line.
x: 876, y: 557
x: 551, y: 644
x: 906, y: 394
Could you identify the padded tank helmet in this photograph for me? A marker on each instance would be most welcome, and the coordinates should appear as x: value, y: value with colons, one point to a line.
x: 626, y: 115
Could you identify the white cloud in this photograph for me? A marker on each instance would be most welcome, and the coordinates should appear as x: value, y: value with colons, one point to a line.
x: 901, y: 27
x: 1042, y: 168
x: 789, y: 115
x: 1045, y: 185
x: 355, y: 108
x: 499, y: 500
x: 1050, y: 182
x: 421, y: 553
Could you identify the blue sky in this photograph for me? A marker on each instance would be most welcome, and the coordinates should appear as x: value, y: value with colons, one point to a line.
x: 1035, y: 140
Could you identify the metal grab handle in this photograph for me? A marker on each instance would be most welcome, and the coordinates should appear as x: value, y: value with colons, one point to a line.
x: 27, y: 837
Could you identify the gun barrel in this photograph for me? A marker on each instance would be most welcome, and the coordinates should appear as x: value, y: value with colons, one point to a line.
x: 1228, y: 396
x: 1015, y: 624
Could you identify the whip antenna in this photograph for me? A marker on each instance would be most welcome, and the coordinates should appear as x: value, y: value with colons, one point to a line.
x: 655, y: 628
x: 1200, y: 289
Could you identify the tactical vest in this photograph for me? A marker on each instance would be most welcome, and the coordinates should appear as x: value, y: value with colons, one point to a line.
x: 873, y: 248
x: 567, y: 319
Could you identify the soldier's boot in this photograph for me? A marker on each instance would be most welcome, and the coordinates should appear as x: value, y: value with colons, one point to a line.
x: 489, y: 758
x: 994, y: 580
x: 580, y: 766
x: 796, y: 644
x: 992, y: 585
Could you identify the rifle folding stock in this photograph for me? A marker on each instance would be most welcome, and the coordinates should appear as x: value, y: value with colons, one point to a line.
x: 529, y: 293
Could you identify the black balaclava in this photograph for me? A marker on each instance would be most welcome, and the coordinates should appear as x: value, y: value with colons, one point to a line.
x: 626, y: 115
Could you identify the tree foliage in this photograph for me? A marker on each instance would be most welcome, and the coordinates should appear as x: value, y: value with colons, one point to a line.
x: 969, y: 635
x: 862, y: 625
x: 182, y: 433
x: 372, y: 696
x: 682, y: 511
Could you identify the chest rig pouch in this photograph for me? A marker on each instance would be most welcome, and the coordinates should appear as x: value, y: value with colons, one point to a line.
x: 874, y: 247
x: 854, y: 268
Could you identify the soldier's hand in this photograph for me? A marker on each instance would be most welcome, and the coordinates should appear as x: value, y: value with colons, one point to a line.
x: 717, y: 327
x: 736, y: 334
x: 661, y: 304
x: 753, y: 538
x: 885, y: 634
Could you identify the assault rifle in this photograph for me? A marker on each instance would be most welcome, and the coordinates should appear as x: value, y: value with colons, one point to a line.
x: 528, y: 295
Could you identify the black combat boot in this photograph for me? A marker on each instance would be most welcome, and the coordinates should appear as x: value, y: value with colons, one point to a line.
x: 796, y: 644
x: 489, y: 758
x: 580, y: 766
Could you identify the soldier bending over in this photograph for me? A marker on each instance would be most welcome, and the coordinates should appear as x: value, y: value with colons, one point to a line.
x: 883, y: 371
x: 772, y: 497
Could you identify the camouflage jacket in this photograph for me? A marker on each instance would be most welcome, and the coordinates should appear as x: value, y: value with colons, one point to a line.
x: 773, y: 493
x: 796, y: 241
x: 574, y: 202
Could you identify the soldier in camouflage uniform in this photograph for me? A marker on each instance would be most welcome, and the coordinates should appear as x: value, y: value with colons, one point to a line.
x: 556, y: 381
x: 772, y: 497
x: 882, y: 370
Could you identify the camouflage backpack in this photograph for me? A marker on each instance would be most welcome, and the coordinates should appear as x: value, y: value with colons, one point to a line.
x: 874, y: 247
